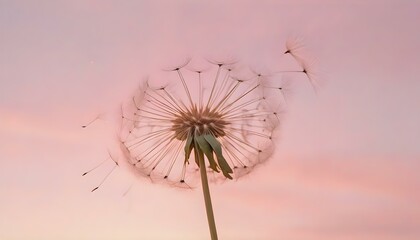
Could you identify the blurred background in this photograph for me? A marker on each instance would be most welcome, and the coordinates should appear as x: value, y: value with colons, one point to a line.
x: 347, y: 159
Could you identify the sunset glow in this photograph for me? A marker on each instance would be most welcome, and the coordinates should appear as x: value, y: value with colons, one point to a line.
x: 346, y: 158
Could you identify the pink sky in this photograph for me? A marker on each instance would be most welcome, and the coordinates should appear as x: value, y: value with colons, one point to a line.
x: 347, y: 161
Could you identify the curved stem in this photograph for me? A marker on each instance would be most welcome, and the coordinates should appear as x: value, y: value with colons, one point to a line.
x: 206, y: 193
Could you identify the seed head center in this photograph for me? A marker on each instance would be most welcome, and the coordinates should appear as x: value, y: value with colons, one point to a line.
x: 197, y: 122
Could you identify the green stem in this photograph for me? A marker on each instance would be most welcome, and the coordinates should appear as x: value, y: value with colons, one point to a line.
x: 206, y: 192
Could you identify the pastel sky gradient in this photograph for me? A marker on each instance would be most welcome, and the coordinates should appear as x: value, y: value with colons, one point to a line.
x: 347, y: 163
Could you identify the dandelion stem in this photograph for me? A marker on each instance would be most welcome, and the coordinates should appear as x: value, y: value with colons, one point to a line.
x: 206, y: 193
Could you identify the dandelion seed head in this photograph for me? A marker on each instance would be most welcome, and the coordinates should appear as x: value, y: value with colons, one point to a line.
x: 228, y: 111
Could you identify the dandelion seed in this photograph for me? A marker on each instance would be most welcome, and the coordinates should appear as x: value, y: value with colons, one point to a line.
x: 311, y: 74
x: 91, y: 121
x: 293, y: 45
x: 107, y: 175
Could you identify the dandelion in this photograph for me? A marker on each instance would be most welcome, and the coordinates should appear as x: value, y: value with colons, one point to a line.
x: 214, y: 125
x: 226, y: 118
